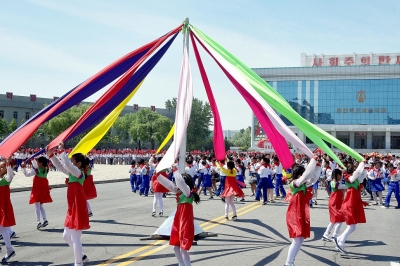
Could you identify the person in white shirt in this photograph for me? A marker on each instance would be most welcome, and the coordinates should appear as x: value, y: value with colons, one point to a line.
x: 376, y: 175
x: 393, y: 186
x: 277, y: 169
x: 265, y: 183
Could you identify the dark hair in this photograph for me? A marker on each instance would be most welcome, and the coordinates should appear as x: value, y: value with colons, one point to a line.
x: 141, y: 161
x: 230, y: 165
x: 80, y: 158
x: 298, y: 170
x: 335, y: 173
x: 350, y: 169
x: 189, y: 181
x: 43, y: 161
x: 390, y: 165
x: 159, y: 159
x: 87, y: 161
x: 266, y: 160
x: 133, y: 162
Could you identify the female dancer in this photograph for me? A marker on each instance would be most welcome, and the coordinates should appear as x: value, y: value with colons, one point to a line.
x: 182, y: 232
x: 159, y: 190
x: 40, y: 189
x: 77, y: 218
x: 335, y: 204
x: 7, y: 218
x: 298, y: 213
x: 88, y: 186
x: 376, y: 175
x: 240, y: 175
x: 352, y: 207
x: 231, y: 188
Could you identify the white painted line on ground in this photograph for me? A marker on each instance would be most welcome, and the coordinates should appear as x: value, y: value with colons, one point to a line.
x: 393, y: 263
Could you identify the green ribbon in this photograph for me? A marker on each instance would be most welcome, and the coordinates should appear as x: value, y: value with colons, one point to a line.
x: 276, y: 101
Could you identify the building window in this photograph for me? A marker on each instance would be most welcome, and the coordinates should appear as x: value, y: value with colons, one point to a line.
x: 395, y: 142
x: 344, y: 139
x: 27, y: 115
x: 1, y: 113
x: 378, y: 142
x: 360, y: 141
x: 15, y: 115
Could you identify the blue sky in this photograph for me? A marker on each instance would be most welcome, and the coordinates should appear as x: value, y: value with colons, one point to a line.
x: 48, y: 47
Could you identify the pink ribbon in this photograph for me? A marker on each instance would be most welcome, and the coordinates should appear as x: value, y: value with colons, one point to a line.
x: 219, y: 144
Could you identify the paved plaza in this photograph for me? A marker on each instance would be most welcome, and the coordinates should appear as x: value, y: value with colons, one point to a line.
x: 258, y: 237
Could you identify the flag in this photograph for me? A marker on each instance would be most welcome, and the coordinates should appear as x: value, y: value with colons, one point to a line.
x: 33, y: 97
x: 9, y: 95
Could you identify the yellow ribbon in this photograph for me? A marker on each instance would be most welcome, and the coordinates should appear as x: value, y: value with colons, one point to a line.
x: 96, y: 134
x: 169, y: 136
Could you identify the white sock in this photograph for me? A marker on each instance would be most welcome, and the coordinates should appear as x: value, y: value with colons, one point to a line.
x: 43, y: 212
x: 178, y: 256
x: 37, y: 211
x: 328, y: 229
x: 186, y: 257
x: 7, y: 241
x: 337, y: 229
x: 350, y: 229
x: 294, y: 249
x: 88, y: 207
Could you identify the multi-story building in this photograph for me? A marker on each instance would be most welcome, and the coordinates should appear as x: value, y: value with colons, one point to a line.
x: 21, y: 108
x: 354, y: 97
x: 24, y: 107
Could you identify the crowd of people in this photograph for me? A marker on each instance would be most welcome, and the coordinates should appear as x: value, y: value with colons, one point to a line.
x: 206, y: 176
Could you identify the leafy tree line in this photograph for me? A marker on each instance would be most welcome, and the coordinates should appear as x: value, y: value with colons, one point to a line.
x: 144, y: 126
x: 242, y: 138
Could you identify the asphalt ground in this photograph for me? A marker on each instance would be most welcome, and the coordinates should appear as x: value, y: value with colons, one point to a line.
x: 258, y: 237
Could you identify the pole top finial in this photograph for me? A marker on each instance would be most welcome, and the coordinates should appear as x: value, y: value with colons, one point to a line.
x: 186, y: 20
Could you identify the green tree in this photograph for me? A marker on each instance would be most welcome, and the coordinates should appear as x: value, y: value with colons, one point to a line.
x: 149, y: 126
x: 13, y: 125
x: 198, y: 131
x: 61, y: 122
x: 122, y: 126
x: 4, y: 129
x: 242, y: 138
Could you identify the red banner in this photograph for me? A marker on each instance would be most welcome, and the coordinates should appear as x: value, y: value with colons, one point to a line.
x: 9, y: 95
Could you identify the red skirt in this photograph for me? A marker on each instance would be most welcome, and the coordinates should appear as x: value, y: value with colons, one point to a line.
x: 157, y: 187
x: 353, y: 208
x: 182, y: 232
x: 77, y: 214
x: 335, y: 205
x: 40, y: 191
x: 6, y: 209
x: 232, y: 188
x: 298, y: 215
x: 89, y: 188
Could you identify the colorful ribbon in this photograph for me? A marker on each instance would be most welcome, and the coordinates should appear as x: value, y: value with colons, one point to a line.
x: 169, y: 136
x: 96, y: 134
x: 219, y: 143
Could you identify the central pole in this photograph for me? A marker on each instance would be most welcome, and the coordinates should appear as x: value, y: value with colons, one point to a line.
x: 182, y: 150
